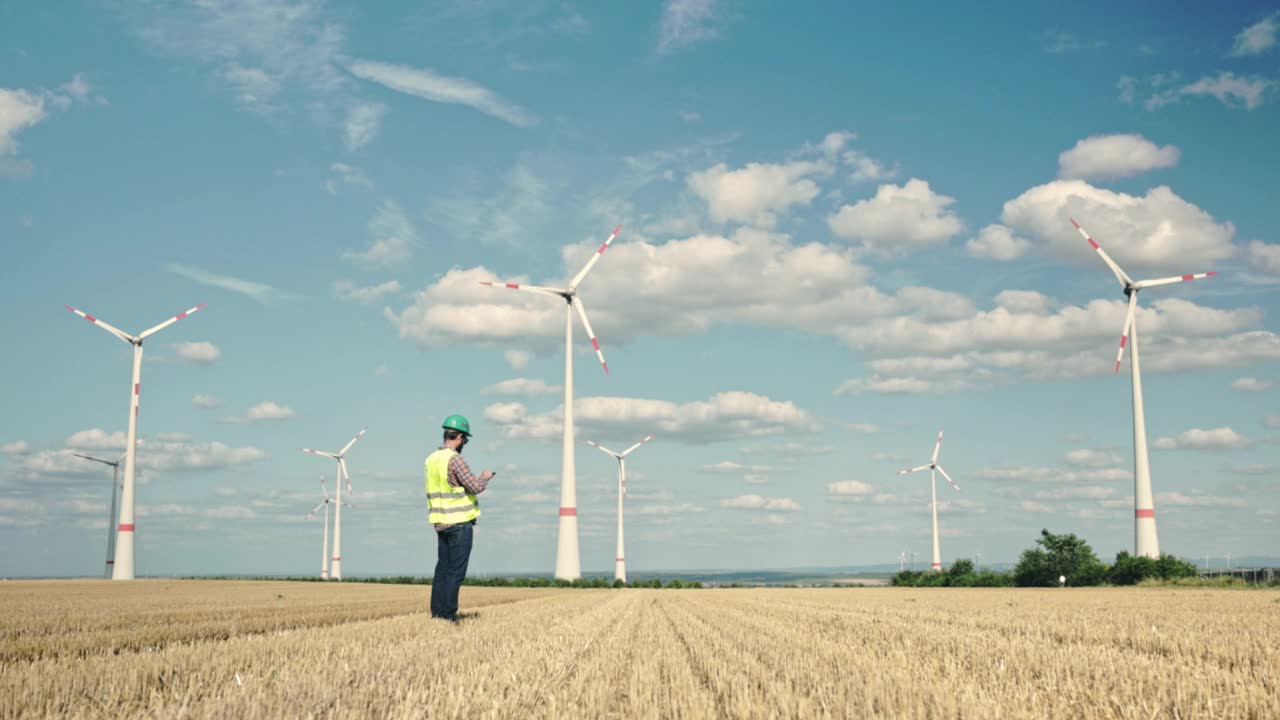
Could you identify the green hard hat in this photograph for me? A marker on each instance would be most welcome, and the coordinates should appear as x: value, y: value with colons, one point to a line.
x: 457, y: 422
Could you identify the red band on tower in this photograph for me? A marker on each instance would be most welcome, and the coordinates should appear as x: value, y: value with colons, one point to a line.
x: 568, y: 512
x: 1145, y: 513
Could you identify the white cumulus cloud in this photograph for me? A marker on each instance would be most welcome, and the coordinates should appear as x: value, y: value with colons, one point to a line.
x: 1158, y: 231
x: 1264, y: 257
x: 850, y: 488
x: 202, y: 353
x: 756, y: 502
x: 757, y: 193
x: 1251, y: 384
x: 1114, y: 156
x: 997, y: 242
x: 899, y: 217
x: 1223, y: 438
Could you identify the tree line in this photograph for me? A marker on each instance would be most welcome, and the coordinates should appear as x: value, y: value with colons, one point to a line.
x: 1054, y: 556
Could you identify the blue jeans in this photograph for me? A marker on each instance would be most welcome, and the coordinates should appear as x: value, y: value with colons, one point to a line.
x: 453, y: 551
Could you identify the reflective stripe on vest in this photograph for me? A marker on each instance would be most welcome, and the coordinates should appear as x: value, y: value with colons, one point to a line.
x: 446, y: 503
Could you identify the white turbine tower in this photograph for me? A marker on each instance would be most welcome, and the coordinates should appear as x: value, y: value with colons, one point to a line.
x: 568, y: 566
x: 335, y: 563
x: 933, y: 494
x: 1146, y: 542
x: 112, y: 518
x: 620, y: 562
x: 123, y: 566
x: 324, y: 548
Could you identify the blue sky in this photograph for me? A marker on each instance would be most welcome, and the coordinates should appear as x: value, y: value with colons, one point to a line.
x: 842, y: 229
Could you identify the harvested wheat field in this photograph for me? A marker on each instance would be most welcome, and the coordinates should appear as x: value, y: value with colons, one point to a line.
x: 156, y: 648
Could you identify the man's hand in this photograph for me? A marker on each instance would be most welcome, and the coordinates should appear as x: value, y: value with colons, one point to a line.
x: 484, y: 476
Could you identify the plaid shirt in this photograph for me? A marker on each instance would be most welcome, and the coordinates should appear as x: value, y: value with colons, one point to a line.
x: 460, y: 475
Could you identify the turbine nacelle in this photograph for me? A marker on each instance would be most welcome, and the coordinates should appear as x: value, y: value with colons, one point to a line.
x: 1131, y: 288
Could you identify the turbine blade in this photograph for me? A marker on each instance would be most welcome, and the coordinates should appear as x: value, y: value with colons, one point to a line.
x: 97, y: 460
x: 109, y: 328
x: 324, y: 489
x: 937, y: 446
x: 573, y: 284
x: 601, y: 447
x: 319, y: 452
x: 914, y: 469
x: 314, y: 511
x: 1128, y: 324
x: 948, y: 477
x: 576, y: 302
x: 529, y: 288
x: 342, y: 465
x: 1172, y: 280
x: 633, y: 447
x: 347, y: 447
x: 1124, y: 279
x: 169, y: 322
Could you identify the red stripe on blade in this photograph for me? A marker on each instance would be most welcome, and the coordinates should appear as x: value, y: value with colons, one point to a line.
x: 90, y: 318
x: 1094, y: 244
x: 179, y: 316
x: 1123, y: 339
x: 513, y: 286
x: 137, y: 388
x: 1145, y: 513
x: 126, y: 528
x: 603, y: 247
x: 1188, y: 277
x: 595, y: 343
x: 568, y: 512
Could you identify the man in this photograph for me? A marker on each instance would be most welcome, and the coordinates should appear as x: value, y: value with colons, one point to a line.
x: 452, y: 509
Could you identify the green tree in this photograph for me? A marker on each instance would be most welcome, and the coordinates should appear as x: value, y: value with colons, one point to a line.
x: 1059, y: 555
x: 963, y: 566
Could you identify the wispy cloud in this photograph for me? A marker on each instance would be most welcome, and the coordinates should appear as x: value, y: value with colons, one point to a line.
x: 430, y: 85
x: 1258, y: 38
x: 362, y: 125
x: 393, y: 239
x: 261, y: 292
x: 349, y: 291
x: 684, y: 23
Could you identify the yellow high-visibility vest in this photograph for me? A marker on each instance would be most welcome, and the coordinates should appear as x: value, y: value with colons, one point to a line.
x: 446, y: 503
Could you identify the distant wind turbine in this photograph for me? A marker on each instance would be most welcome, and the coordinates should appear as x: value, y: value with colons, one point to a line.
x: 933, y: 493
x: 335, y: 563
x: 113, y: 517
x: 620, y: 562
x: 123, y: 566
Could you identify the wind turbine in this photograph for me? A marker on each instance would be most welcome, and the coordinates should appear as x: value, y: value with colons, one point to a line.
x: 335, y: 563
x: 933, y: 493
x: 324, y: 550
x: 1144, y: 513
x: 111, y: 519
x: 620, y: 562
x: 568, y: 566
x: 122, y: 569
